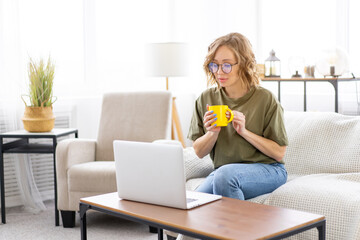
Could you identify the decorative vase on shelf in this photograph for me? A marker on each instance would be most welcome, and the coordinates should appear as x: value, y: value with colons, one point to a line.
x: 38, y: 116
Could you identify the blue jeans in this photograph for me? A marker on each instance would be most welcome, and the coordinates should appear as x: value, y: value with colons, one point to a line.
x: 244, y: 181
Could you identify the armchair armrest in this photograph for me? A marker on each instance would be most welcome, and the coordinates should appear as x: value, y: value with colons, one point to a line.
x: 70, y: 152
x: 74, y: 151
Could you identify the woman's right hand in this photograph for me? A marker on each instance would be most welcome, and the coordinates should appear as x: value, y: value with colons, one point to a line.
x: 209, y: 119
x: 206, y: 142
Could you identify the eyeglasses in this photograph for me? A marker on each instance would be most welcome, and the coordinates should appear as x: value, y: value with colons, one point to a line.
x: 226, y: 67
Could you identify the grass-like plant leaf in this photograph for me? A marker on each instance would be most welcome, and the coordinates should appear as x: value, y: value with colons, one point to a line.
x: 41, y: 83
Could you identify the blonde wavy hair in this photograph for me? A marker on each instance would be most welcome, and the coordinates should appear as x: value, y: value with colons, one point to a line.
x: 245, y: 57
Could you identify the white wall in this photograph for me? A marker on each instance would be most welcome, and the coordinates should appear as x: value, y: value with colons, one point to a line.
x: 85, y: 114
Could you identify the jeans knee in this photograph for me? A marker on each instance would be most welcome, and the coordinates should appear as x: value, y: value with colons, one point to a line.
x: 226, y: 184
x: 224, y: 177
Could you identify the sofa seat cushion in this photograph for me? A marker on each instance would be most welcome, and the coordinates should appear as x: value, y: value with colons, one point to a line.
x: 193, y: 184
x: 259, y: 199
x: 98, y: 176
x: 337, y: 196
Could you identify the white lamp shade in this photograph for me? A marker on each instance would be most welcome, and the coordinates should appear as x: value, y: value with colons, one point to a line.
x: 166, y: 59
x: 335, y: 58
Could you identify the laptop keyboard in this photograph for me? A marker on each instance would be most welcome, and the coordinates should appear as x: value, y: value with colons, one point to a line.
x: 189, y: 200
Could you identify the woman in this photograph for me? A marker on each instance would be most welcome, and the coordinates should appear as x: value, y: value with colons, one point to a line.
x: 247, y: 153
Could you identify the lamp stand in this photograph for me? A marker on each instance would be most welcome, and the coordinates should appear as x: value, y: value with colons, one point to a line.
x: 167, y: 83
x: 175, y: 121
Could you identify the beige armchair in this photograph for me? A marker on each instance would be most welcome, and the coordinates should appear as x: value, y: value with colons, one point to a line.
x: 86, y: 167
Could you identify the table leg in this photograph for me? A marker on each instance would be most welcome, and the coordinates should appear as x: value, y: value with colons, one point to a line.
x: 3, y: 217
x: 55, y: 183
x: 321, y: 230
x: 305, y: 104
x: 279, y: 93
x: 83, y: 209
x: 336, y: 96
x: 335, y: 85
x: 160, y: 234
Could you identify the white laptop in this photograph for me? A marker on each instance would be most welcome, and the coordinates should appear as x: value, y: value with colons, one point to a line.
x: 154, y: 173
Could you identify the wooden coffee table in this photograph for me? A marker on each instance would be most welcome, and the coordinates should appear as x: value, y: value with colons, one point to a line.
x: 223, y: 219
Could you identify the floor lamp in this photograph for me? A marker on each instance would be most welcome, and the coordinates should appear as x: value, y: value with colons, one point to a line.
x: 168, y: 60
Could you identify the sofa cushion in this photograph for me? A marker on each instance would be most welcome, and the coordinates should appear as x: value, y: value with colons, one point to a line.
x: 322, y: 142
x: 337, y: 196
x: 194, y: 183
x: 196, y: 167
x: 259, y: 199
x: 92, y: 177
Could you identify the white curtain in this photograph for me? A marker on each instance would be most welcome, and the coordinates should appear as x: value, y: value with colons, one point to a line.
x: 11, y: 107
x: 28, y: 194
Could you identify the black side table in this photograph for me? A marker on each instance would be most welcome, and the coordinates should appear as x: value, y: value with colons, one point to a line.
x: 21, y: 145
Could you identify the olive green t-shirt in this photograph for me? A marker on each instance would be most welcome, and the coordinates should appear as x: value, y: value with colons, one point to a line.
x: 264, y: 117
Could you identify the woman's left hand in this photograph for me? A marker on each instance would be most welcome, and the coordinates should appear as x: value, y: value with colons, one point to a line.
x: 238, y: 122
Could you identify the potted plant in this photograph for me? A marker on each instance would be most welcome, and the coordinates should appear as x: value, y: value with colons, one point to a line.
x: 39, y: 117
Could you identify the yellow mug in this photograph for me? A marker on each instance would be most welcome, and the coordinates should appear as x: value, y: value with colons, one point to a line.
x: 220, y: 111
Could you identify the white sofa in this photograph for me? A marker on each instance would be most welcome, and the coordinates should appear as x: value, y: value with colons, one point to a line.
x: 323, y: 164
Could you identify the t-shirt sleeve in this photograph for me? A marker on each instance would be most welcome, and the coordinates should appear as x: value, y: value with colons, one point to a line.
x: 274, y: 124
x: 196, y: 125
